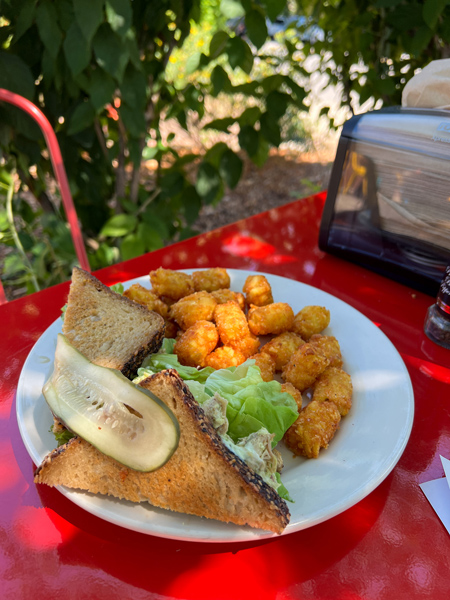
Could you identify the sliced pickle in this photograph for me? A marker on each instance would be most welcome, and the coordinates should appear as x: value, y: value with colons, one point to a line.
x: 122, y: 420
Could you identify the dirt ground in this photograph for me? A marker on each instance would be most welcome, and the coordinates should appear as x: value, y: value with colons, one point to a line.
x: 284, y: 177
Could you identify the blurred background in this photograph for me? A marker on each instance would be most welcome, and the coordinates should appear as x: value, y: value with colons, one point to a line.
x: 178, y: 116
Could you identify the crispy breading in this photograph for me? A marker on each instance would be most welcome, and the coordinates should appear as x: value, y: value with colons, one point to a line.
x: 266, y: 365
x: 247, y: 345
x: 193, y: 345
x: 147, y: 298
x: 171, y: 329
x: 173, y: 284
x: 304, y: 366
x: 225, y: 295
x: 334, y: 384
x: 257, y: 290
x: 314, y: 429
x: 210, y: 280
x: 329, y: 345
x: 270, y: 319
x: 223, y: 357
x: 195, y: 307
x: 282, y: 347
x: 231, y: 323
x: 311, y: 320
x: 294, y: 392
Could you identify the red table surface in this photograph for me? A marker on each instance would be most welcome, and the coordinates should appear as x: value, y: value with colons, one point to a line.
x: 390, y: 545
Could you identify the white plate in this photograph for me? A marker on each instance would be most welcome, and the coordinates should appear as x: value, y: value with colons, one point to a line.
x: 365, y: 449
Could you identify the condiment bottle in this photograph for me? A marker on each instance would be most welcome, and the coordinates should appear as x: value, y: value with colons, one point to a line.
x: 437, y: 322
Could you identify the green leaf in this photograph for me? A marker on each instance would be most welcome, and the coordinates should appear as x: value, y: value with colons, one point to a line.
x: 231, y: 9
x: 110, y: 52
x: 49, y: 31
x: 220, y: 124
x: 239, y: 54
x: 134, y: 121
x: 432, y: 10
x: 270, y: 129
x: 76, y: 49
x: 24, y: 20
x: 193, y: 62
x: 250, y: 116
x: 150, y: 236
x: 230, y: 168
x: 192, y: 204
x: 256, y: 27
x: 218, y: 43
x: 119, y: 226
x: 82, y: 117
x: 249, y: 139
x: 100, y: 88
x: 219, y: 80
x: 131, y: 246
x: 274, y: 8
x: 208, y: 182
x: 172, y: 183
x: 277, y: 103
x: 89, y: 16
x: 119, y: 15
x: 134, y: 88
x: 15, y: 75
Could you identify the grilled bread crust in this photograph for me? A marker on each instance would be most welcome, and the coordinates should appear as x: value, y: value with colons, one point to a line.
x: 109, y: 329
x: 203, y: 477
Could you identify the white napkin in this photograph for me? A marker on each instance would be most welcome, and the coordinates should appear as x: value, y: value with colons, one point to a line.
x: 438, y: 494
x: 430, y: 88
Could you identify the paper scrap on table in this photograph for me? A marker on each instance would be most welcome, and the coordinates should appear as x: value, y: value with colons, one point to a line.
x: 438, y: 494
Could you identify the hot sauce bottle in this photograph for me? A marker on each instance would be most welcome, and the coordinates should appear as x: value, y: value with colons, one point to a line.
x: 437, y: 322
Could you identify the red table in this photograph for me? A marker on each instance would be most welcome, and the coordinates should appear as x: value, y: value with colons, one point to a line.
x: 391, y: 545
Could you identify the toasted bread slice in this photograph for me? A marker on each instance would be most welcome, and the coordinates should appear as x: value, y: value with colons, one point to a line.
x: 109, y: 329
x: 203, y: 477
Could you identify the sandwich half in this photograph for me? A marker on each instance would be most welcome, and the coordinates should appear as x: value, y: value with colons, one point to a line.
x: 203, y: 477
x: 109, y: 329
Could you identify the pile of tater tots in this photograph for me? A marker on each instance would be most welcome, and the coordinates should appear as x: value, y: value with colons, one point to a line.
x: 217, y: 327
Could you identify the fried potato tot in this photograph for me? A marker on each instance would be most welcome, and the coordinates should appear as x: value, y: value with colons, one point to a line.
x: 193, y: 345
x: 195, y: 307
x: 223, y: 357
x: 304, y: 367
x: 231, y: 323
x: 210, y: 280
x: 266, y: 365
x: 257, y: 290
x: 294, y: 392
x: 311, y: 320
x: 173, y: 284
x: 147, y: 298
x: 282, y: 347
x: 247, y: 345
x: 314, y: 429
x: 273, y: 318
x: 334, y: 385
x: 171, y: 329
x: 329, y: 345
x: 224, y: 295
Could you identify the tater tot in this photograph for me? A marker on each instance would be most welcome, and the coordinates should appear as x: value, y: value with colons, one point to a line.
x: 247, y: 345
x: 231, y: 323
x: 142, y: 295
x: 335, y: 385
x: 210, y: 280
x: 173, y: 284
x: 224, y: 357
x: 195, y: 307
x: 311, y: 320
x: 257, y: 290
x: 266, y: 365
x: 273, y: 318
x: 329, y: 345
x: 304, y: 367
x: 225, y: 295
x: 194, y: 344
x: 294, y: 392
x: 282, y: 347
x: 171, y: 329
x: 314, y: 429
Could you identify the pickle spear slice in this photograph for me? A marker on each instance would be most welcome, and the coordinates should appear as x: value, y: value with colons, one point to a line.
x: 119, y: 418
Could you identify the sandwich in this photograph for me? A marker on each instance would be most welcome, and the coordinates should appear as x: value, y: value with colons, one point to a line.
x: 203, y: 476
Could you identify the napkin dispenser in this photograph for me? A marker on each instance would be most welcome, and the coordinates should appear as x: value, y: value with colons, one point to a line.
x: 388, y: 202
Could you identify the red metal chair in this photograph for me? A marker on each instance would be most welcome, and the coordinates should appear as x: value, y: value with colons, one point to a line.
x: 60, y: 174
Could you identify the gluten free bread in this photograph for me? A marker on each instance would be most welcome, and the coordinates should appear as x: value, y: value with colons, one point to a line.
x: 202, y: 477
x: 109, y: 329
